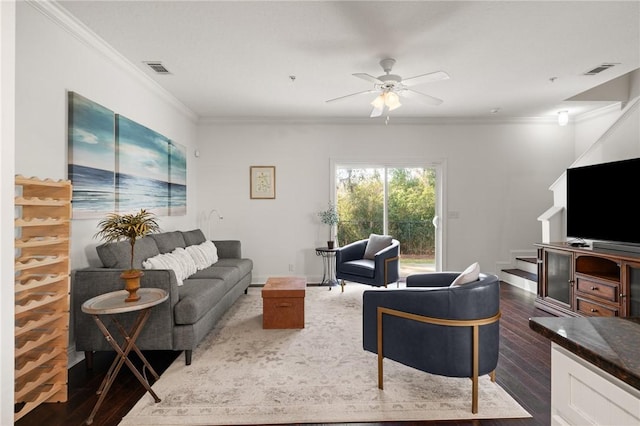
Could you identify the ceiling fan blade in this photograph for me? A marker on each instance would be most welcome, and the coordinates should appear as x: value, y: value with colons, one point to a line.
x: 409, y: 93
x: 376, y: 112
x: 352, y: 94
x: 426, y: 78
x: 368, y: 77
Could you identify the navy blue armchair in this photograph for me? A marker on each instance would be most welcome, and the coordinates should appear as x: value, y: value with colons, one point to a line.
x: 448, y: 331
x: 379, y: 271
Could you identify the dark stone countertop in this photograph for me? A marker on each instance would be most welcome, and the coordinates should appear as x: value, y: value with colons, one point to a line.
x: 612, y: 344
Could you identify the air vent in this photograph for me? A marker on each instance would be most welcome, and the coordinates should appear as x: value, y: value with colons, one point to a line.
x: 599, y: 69
x: 157, y: 67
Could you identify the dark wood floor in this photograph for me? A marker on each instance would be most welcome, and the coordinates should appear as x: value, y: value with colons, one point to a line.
x: 523, y: 371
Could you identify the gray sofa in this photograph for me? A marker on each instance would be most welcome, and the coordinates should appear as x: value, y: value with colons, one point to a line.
x: 192, y: 309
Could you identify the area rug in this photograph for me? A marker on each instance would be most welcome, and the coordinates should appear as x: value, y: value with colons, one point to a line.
x: 242, y: 374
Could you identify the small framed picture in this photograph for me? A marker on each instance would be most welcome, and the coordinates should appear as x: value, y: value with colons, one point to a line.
x: 262, y: 182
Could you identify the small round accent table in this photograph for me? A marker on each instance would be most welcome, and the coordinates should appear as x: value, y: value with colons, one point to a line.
x: 111, y: 304
x: 329, y: 262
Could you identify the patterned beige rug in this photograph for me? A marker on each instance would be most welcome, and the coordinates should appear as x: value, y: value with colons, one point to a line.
x: 242, y: 374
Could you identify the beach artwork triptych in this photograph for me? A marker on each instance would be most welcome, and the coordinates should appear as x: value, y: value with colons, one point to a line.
x: 118, y: 165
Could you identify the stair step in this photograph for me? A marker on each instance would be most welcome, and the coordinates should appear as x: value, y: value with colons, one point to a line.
x: 523, y: 274
x: 532, y: 259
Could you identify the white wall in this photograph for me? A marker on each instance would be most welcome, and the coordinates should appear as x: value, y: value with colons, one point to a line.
x: 7, y: 145
x: 497, y: 175
x: 590, y: 127
x: 55, y: 56
x: 603, y: 135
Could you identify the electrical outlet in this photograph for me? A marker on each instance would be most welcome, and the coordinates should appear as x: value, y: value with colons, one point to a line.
x: 291, y: 268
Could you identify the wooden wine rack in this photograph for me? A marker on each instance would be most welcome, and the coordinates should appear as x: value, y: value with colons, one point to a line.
x: 43, y: 218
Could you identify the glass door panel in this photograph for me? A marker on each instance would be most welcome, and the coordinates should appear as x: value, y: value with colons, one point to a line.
x: 360, y: 195
x: 559, y: 276
x: 634, y: 290
x: 411, y: 212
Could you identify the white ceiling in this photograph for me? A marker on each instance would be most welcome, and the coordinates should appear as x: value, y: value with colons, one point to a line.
x: 235, y: 58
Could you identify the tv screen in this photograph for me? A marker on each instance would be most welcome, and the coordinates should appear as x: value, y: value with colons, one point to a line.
x: 601, y: 202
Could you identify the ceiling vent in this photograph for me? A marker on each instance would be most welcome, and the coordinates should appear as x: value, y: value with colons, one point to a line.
x: 157, y: 67
x: 599, y: 69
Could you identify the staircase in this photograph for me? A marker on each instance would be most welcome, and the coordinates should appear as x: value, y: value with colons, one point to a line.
x: 524, y: 275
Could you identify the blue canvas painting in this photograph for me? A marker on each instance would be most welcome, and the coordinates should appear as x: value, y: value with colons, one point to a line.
x: 91, y: 157
x: 177, y: 179
x: 118, y: 165
x: 142, y: 168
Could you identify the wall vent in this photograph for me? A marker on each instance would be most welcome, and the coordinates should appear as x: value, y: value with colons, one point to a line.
x: 157, y: 67
x: 599, y: 69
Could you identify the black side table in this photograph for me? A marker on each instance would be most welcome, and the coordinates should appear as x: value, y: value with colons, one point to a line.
x: 329, y: 262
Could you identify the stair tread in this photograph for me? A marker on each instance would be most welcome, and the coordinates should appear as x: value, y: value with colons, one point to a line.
x: 524, y: 274
x: 531, y: 259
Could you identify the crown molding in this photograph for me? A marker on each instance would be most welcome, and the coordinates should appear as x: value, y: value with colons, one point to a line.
x: 420, y: 121
x: 598, y: 112
x: 62, y: 18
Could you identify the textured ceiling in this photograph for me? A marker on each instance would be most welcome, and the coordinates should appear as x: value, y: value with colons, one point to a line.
x: 235, y: 58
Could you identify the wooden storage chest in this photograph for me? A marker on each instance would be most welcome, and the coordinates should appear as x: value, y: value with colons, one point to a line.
x: 283, y: 302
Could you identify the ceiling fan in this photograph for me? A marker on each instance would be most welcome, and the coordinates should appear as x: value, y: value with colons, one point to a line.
x: 391, y: 87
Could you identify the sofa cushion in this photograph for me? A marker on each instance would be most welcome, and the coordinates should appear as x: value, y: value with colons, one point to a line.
x: 244, y: 265
x: 375, y: 244
x: 118, y: 255
x: 194, y: 236
x: 196, y: 298
x: 469, y: 275
x: 360, y: 267
x: 169, y: 241
x: 229, y: 274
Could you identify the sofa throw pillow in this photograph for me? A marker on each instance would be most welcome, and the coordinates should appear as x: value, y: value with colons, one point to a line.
x: 211, y: 251
x: 185, y: 261
x: 164, y: 261
x: 375, y: 244
x: 198, y: 255
x: 178, y: 260
x: 469, y: 275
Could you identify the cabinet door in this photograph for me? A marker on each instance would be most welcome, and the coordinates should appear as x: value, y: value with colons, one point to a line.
x: 631, y: 289
x: 558, y: 279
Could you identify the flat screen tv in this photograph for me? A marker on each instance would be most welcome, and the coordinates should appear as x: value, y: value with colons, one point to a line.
x: 601, y: 202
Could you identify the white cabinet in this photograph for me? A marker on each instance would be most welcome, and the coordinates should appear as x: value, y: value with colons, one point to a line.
x: 583, y: 394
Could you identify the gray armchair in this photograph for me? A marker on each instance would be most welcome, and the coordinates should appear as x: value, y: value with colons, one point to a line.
x: 448, y: 331
x: 379, y: 268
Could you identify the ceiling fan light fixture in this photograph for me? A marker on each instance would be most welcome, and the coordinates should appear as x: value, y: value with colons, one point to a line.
x: 392, y: 101
x: 379, y: 101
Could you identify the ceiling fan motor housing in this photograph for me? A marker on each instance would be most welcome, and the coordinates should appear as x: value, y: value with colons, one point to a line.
x: 387, y: 64
x: 390, y: 82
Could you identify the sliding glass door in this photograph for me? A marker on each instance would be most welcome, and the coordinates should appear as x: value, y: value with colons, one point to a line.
x: 398, y: 201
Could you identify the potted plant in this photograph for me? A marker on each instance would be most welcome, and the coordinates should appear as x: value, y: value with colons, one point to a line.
x: 131, y: 226
x: 329, y: 217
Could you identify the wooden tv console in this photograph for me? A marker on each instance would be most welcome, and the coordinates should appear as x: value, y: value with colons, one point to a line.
x: 585, y: 281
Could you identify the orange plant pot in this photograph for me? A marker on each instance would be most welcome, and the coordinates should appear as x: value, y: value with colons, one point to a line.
x: 132, y: 284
